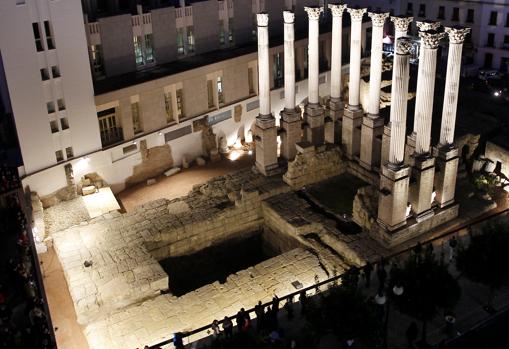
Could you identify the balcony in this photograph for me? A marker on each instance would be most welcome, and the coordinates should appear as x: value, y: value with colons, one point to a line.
x: 111, y: 136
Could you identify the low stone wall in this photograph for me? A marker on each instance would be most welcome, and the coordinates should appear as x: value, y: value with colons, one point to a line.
x: 413, y: 228
x: 365, y: 205
x: 313, y: 165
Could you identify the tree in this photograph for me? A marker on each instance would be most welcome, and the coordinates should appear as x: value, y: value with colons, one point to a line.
x: 485, y: 260
x: 428, y: 287
x: 347, y: 313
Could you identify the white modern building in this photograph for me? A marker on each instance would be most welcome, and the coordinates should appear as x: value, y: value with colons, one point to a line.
x: 91, y: 83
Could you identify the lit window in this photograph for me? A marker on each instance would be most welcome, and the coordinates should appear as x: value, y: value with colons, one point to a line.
x: 221, y: 32
x: 180, y: 41
x: 135, y: 112
x: 210, y: 94
x: 59, y: 155
x: 220, y: 93
x: 138, y: 51
x: 96, y: 57
x: 230, y: 31
x: 180, y: 103
x: 149, y: 49
x: 50, y: 106
x: 168, y: 105
x: 61, y: 104
x: 69, y: 153
x: 190, y: 39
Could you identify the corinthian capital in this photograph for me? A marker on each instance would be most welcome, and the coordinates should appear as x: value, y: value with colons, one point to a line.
x: 378, y: 19
x: 262, y: 19
x: 427, y: 25
x: 313, y: 12
x: 431, y: 39
x: 337, y: 9
x: 457, y: 34
x: 288, y: 16
x: 401, y: 23
x: 356, y: 14
x: 403, y: 45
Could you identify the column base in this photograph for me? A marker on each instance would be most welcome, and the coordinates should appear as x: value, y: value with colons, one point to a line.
x: 421, y: 189
x: 446, y: 173
x: 393, y: 198
x: 371, y: 146
x: 386, y: 145
x: 314, y: 115
x: 410, y: 149
x: 351, y: 131
x: 266, y: 144
x: 291, y: 124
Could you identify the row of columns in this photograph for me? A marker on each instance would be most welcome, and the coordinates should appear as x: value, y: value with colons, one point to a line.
x: 361, y: 133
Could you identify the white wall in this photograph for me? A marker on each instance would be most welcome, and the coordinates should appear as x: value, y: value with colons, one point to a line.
x: 29, y: 93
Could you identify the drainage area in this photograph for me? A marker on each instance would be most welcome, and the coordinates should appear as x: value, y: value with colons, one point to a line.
x: 190, y: 272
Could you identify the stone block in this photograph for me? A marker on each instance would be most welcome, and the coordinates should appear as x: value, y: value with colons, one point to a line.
x: 89, y: 189
x: 151, y: 181
x: 200, y: 161
x: 172, y: 171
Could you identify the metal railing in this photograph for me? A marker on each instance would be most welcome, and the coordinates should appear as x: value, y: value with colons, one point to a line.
x: 334, y: 279
x: 111, y: 136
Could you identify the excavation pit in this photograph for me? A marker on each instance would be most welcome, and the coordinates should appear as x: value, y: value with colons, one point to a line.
x: 215, y: 263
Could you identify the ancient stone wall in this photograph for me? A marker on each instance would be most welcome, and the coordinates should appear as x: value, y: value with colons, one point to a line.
x: 154, y: 161
x: 313, y: 165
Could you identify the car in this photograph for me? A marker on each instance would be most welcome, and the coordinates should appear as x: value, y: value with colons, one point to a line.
x: 490, y: 75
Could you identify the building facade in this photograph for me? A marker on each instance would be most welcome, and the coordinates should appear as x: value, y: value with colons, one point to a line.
x: 102, y: 82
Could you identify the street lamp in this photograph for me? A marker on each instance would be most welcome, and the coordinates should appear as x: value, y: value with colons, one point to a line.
x: 397, y: 291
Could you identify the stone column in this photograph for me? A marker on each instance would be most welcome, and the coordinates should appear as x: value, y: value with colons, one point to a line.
x: 335, y: 104
x: 394, y: 179
x: 314, y: 112
x: 401, y: 24
x: 447, y: 153
x: 423, y: 171
x: 423, y: 27
x: 352, y: 117
x: 290, y: 115
x: 266, y: 131
x: 372, y: 123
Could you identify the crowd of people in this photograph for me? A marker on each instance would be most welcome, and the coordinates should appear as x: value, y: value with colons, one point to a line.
x: 23, y: 319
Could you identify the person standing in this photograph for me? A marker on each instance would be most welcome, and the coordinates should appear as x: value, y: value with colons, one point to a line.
x: 228, y: 327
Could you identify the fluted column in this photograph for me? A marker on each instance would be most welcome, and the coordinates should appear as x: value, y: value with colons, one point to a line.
x: 289, y: 55
x: 314, y: 112
x: 456, y: 39
x: 333, y: 123
x: 290, y: 115
x: 313, y: 63
x: 337, y: 38
x: 394, y: 178
x: 372, y: 124
x: 399, y: 100
x: 425, y: 90
x: 447, y: 153
x: 266, y: 132
x: 356, y: 15
x: 352, y: 116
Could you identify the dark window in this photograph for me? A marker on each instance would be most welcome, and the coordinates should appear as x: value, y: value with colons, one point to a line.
x: 491, y: 40
x: 422, y: 10
x: 37, y: 37
x: 64, y: 123
x: 470, y: 16
x: 59, y: 155
x: 49, y: 36
x: 69, y: 153
x: 488, y: 60
x: 55, y: 72
x: 507, y: 20
x: 44, y: 74
x: 455, y: 14
x: 410, y: 9
x: 506, y: 41
x: 441, y: 12
x: 493, y: 18
x: 54, y: 126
